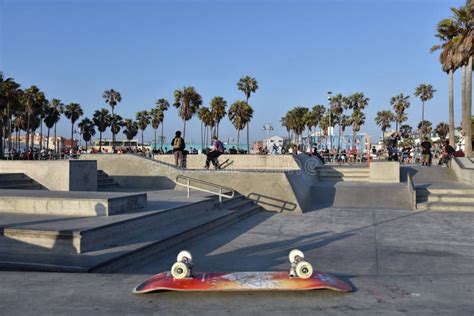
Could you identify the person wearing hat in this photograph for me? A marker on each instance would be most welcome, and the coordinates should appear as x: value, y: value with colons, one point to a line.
x: 178, y: 148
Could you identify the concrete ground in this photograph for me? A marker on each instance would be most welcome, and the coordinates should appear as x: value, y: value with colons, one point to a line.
x: 399, y: 262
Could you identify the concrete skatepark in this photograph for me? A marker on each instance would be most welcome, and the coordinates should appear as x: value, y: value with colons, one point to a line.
x: 402, y: 236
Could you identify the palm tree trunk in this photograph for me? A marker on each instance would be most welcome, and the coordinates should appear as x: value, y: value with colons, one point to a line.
x: 113, y: 130
x: 469, y: 108
x: 238, y: 140
x: 161, y: 140
x: 451, y: 108
x: 143, y: 145
x: 184, y: 130
x: 463, y: 103
x: 47, y: 141
x: 154, y: 146
x: 202, y: 136
x: 28, y: 132
x: 55, y: 140
x: 100, y: 141
x: 41, y: 134
x: 72, y: 134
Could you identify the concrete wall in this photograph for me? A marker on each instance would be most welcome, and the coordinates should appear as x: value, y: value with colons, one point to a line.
x: 57, y: 175
x: 246, y: 162
x: 464, y: 169
x: 384, y: 171
x: 275, y: 190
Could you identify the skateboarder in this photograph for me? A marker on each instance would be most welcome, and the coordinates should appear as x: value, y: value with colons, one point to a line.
x: 178, y: 147
x: 216, y: 150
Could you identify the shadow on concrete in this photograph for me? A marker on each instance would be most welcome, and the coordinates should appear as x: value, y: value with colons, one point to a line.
x: 145, y: 183
x: 407, y: 170
x: 271, y: 203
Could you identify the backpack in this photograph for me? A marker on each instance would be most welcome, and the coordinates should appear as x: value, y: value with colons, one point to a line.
x: 178, y: 143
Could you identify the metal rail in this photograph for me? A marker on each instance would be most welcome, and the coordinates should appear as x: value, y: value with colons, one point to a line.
x: 230, y: 192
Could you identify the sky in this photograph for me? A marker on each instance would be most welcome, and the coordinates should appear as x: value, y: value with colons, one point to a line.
x: 297, y: 50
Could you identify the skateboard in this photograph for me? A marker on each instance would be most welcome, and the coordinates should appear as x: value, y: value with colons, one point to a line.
x: 225, y: 164
x: 301, y: 277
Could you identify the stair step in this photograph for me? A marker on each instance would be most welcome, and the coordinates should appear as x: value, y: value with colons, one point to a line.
x: 22, y: 186
x: 444, y: 206
x: 6, y: 176
x: 148, y: 250
x: 105, y: 181
x: 444, y: 191
x: 15, y: 181
x: 450, y: 198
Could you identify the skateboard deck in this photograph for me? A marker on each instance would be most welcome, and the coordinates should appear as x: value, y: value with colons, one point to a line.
x: 241, y: 281
x: 225, y: 164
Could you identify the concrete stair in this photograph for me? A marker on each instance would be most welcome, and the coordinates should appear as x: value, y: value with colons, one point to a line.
x: 105, y: 182
x: 342, y: 173
x: 18, y: 181
x: 109, y: 243
x: 445, y: 199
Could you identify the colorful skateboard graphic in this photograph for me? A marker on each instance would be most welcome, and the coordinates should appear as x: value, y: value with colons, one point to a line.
x: 300, y: 278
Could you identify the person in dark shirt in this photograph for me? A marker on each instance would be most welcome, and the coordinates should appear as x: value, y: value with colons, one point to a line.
x: 446, y: 154
x: 216, y: 150
x: 426, y: 152
x: 392, y: 146
x: 178, y: 146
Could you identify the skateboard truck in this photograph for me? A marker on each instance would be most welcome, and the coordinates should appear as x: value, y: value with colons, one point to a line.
x: 182, y: 268
x: 299, y: 267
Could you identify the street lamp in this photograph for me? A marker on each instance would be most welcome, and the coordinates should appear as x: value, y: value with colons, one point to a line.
x: 267, y: 127
x: 330, y: 123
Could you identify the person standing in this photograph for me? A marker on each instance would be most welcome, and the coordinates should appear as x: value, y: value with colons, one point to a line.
x: 426, y: 152
x: 178, y: 149
x: 392, y: 146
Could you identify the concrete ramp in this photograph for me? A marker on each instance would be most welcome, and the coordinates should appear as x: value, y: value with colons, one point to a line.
x: 69, y: 203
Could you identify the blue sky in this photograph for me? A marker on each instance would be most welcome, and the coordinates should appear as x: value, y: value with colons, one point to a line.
x: 297, y: 50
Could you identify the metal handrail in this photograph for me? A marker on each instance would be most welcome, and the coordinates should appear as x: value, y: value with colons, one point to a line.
x: 220, y: 187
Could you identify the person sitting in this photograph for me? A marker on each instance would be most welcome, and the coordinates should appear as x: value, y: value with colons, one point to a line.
x: 447, y: 153
x: 216, y: 150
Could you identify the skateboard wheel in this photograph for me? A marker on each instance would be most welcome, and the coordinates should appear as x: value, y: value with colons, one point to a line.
x: 179, y: 270
x: 295, y: 253
x: 304, y: 270
x: 184, y: 255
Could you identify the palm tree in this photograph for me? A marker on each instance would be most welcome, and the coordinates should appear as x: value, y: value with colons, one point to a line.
x: 218, y: 105
x: 130, y: 130
x: 203, y: 115
x: 59, y: 108
x: 338, y: 105
x: 10, y: 93
x: 163, y: 106
x: 425, y: 92
x: 73, y: 112
x: 101, y: 119
x: 405, y: 130
x: 247, y: 85
x: 357, y: 102
x: 187, y: 101
x: 284, y: 123
x: 33, y: 100
x: 143, y: 119
x: 240, y: 113
x: 156, y: 118
x: 116, y: 123
x: 357, y: 120
x: 451, y: 34
x: 442, y: 129
x: 384, y: 120
x: 87, y: 129
x: 52, y: 116
x: 345, y: 121
x: 324, y: 126
x: 296, y: 119
x: 425, y: 128
x: 400, y: 103
x: 112, y: 98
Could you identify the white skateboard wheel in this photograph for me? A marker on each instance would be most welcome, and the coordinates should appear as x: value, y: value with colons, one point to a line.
x: 179, y: 270
x: 184, y: 254
x: 295, y: 253
x: 304, y: 270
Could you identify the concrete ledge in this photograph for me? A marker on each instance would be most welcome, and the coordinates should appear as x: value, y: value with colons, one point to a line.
x: 69, y: 204
x: 384, y: 171
x: 464, y: 169
x: 247, y: 162
x: 56, y: 175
